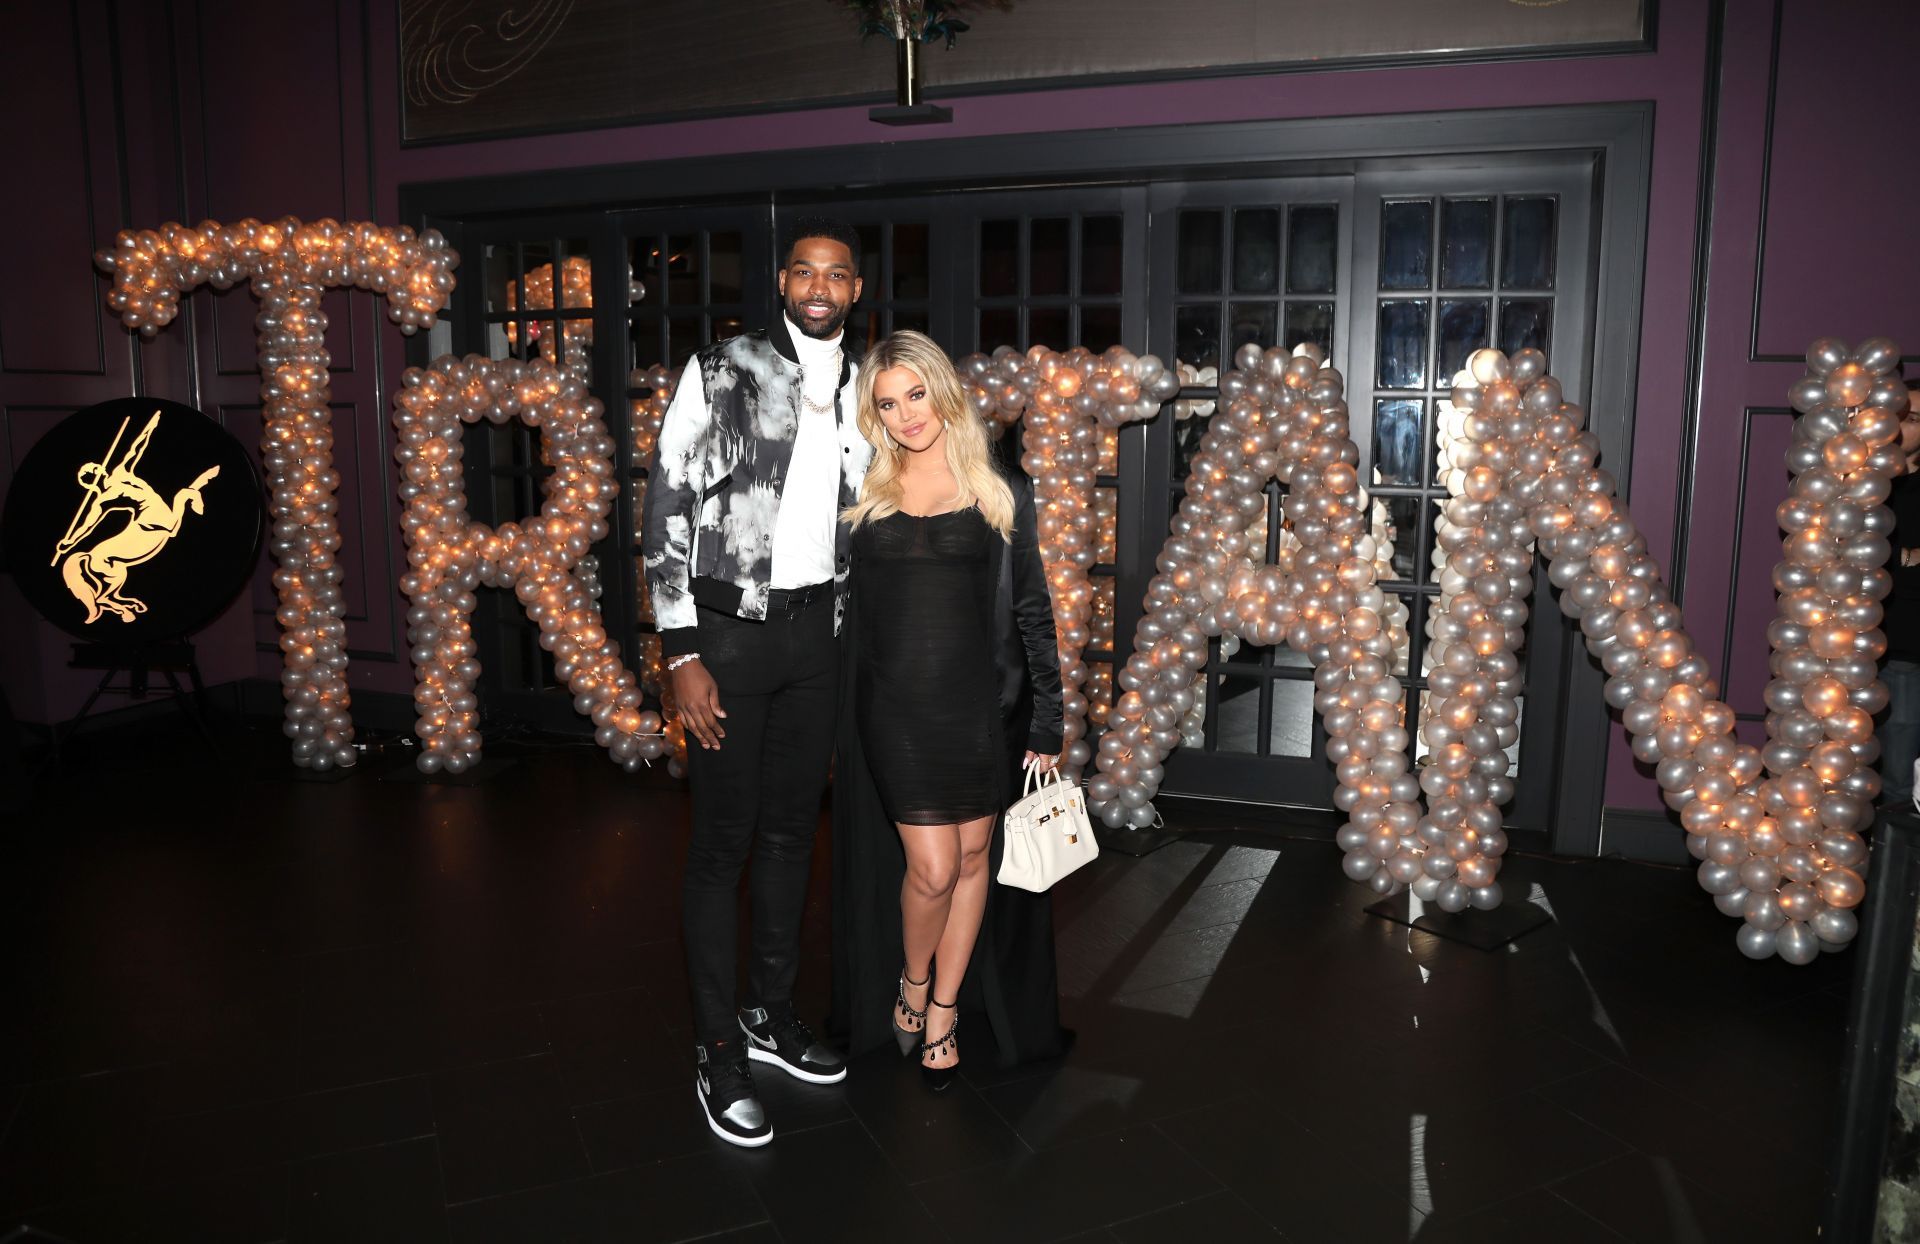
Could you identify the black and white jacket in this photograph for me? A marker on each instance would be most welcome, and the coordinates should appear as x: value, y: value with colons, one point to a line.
x: 716, y: 477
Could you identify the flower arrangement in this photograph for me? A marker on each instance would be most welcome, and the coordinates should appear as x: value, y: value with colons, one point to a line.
x: 922, y: 21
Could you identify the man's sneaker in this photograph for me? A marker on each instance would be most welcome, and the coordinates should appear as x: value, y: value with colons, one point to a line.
x: 725, y: 1084
x: 785, y: 1042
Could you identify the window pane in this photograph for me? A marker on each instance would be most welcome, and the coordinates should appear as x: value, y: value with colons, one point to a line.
x: 686, y: 338
x: 1466, y: 243
x: 1100, y: 327
x: 910, y: 261
x: 647, y: 346
x: 725, y: 282
x: 1526, y: 322
x: 916, y: 320
x: 1109, y: 454
x: 1099, y: 691
x: 999, y: 258
x: 502, y: 277
x: 728, y: 326
x: 1101, y: 624
x: 1463, y: 329
x: 999, y: 326
x: 683, y: 270
x: 1187, y: 434
x: 1406, y: 244
x: 1402, y: 345
x: 1239, y: 655
x: 1100, y: 254
x: 1254, y: 323
x: 1237, y: 726
x: 1397, y: 440
x: 1196, y: 332
x: 643, y: 256
x: 1106, y: 527
x: 1309, y: 321
x: 1403, y: 645
x: 1403, y: 530
x: 1049, y: 256
x: 1291, y: 733
x: 1427, y: 541
x: 864, y: 327
x: 1526, y: 244
x: 1047, y: 326
x: 1313, y: 234
x: 872, y: 255
x: 577, y: 291
x: 1256, y: 250
x: 1199, y: 258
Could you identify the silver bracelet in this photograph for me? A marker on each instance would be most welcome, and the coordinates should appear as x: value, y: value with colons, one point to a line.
x: 681, y: 660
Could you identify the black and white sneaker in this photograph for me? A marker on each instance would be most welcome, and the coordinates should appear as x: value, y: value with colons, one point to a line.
x: 725, y: 1084
x: 785, y: 1042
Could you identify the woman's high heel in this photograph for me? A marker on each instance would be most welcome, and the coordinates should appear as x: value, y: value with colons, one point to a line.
x: 908, y: 1038
x: 939, y: 1077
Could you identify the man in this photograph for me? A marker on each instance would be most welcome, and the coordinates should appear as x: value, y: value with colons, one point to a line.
x: 746, y: 561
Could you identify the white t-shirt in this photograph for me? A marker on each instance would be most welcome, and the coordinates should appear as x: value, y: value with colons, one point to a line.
x: 804, y: 531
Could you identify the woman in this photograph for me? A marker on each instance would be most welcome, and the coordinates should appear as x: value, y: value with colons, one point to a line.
x: 955, y: 681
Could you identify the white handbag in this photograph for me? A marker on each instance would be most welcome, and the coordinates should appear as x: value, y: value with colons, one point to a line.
x: 1047, y: 831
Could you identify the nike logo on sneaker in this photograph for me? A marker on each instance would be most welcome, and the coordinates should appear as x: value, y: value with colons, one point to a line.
x: 763, y: 1042
x: 701, y: 1076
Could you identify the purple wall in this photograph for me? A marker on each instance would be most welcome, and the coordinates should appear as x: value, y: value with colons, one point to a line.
x: 209, y: 132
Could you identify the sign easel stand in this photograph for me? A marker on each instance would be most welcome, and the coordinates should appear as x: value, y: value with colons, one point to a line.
x: 170, y: 659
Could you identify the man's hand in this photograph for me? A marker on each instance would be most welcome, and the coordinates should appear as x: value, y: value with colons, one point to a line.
x: 699, y: 699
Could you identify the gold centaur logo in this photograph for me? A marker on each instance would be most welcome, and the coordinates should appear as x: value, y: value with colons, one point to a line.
x: 97, y: 576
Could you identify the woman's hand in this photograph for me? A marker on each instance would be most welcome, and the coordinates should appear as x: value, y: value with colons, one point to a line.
x: 1047, y: 764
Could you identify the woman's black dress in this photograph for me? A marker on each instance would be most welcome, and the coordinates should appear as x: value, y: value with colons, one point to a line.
x: 924, y: 700
x: 1011, y: 991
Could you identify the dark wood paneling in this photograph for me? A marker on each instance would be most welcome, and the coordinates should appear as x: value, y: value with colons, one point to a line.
x: 56, y: 62
x: 467, y: 70
x: 1836, y: 252
x: 1765, y: 432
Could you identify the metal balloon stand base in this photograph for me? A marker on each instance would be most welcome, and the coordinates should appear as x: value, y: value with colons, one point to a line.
x: 407, y: 774
x: 1482, y: 930
x: 1133, y: 842
x: 315, y: 777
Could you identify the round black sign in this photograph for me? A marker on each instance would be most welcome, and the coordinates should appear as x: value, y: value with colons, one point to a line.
x: 133, y: 521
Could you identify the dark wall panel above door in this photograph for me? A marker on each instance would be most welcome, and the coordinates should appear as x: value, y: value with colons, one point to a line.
x: 484, y: 67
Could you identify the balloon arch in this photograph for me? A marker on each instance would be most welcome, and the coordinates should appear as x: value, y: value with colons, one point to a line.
x: 1776, y: 827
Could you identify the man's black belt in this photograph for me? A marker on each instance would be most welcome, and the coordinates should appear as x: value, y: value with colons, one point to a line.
x: 781, y: 602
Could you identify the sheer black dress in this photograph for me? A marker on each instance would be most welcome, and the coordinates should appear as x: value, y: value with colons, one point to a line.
x: 924, y: 701
x: 1010, y: 700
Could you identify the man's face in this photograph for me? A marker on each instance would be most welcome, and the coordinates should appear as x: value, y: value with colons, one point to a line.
x: 1910, y: 430
x: 819, y: 286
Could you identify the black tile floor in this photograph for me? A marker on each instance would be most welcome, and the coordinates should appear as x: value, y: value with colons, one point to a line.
x: 244, y: 1007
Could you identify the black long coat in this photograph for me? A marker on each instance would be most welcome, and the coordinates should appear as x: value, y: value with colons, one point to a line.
x: 1011, y: 983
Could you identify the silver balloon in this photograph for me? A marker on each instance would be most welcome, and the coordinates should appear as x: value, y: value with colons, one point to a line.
x: 290, y: 264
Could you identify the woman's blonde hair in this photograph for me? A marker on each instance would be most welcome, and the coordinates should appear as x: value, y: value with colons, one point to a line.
x: 969, y: 453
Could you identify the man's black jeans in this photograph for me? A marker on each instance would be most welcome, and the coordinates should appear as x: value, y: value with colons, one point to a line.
x: 759, y: 795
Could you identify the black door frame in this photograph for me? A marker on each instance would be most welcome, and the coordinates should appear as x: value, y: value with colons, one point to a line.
x: 1619, y: 136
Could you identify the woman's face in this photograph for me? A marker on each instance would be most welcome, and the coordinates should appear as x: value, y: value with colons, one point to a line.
x: 907, y: 410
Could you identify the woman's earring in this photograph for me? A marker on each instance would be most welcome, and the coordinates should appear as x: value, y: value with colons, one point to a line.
x: 887, y: 437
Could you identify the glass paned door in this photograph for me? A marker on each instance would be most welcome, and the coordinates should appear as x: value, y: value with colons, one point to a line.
x: 1243, y: 263
x: 706, y: 274
x: 1447, y: 261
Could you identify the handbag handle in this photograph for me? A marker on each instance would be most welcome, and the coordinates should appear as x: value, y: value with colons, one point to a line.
x: 1033, y: 781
